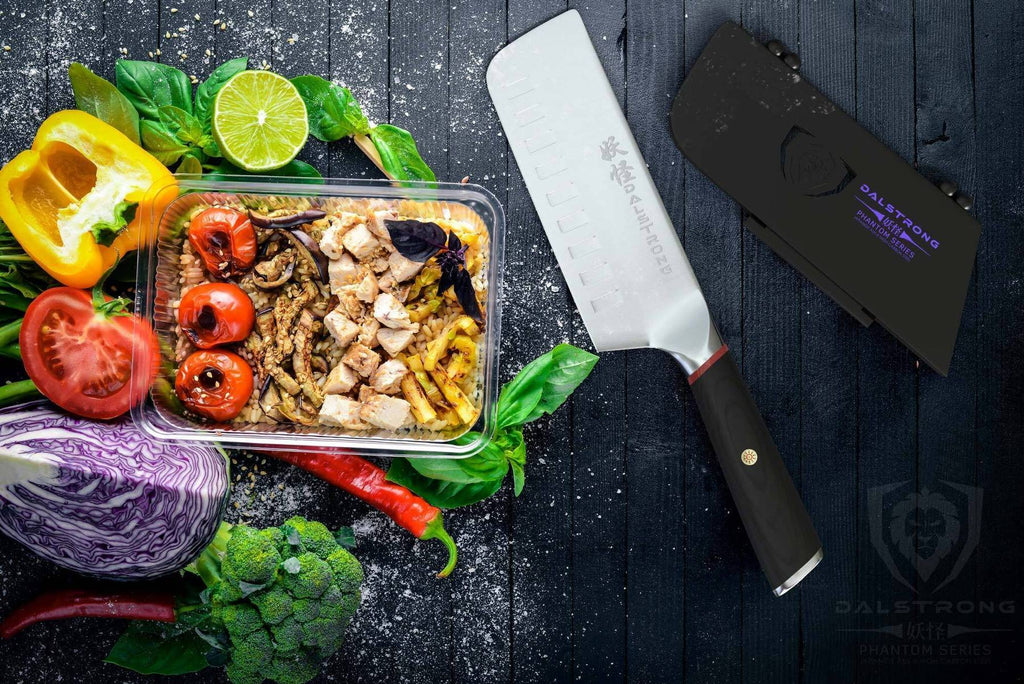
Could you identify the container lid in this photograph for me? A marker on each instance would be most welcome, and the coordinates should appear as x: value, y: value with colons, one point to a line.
x: 827, y: 196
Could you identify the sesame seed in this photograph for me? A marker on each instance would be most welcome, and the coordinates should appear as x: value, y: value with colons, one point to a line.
x: 250, y: 13
x: 167, y: 34
x: 223, y: 27
x: 208, y: 53
x: 151, y: 54
x: 157, y: 52
x: 7, y: 48
x: 174, y: 10
x: 197, y: 17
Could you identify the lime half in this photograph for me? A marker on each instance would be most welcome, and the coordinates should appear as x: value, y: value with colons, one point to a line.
x: 259, y: 121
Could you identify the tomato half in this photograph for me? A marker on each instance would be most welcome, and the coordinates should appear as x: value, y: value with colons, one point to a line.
x: 91, y: 363
x: 216, y: 313
x: 214, y: 383
x: 225, y: 240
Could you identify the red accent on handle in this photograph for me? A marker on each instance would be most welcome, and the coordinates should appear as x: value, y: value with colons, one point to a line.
x: 695, y: 375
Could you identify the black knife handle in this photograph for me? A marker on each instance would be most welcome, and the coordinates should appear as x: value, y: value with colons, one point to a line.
x: 776, y: 521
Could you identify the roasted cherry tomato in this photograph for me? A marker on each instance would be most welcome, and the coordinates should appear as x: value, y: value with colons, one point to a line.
x: 225, y: 239
x: 92, y: 359
x: 214, y: 383
x: 216, y: 313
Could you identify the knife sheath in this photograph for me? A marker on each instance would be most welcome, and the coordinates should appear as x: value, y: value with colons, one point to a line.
x: 885, y: 243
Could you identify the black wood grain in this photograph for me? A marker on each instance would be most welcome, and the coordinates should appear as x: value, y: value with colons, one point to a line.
x: 998, y: 42
x: 771, y: 333
x: 659, y: 447
x: 599, y: 420
x: 828, y: 388
x: 887, y: 380
x: 481, y: 590
x: 716, y: 547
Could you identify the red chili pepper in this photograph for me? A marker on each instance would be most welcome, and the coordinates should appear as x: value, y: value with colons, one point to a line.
x: 367, y: 482
x: 56, y: 605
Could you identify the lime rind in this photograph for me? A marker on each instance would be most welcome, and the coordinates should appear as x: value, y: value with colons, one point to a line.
x: 259, y: 121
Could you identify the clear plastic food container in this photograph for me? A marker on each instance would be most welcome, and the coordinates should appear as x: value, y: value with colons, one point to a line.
x: 161, y: 279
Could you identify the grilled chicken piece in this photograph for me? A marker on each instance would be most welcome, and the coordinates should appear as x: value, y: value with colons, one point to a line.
x: 368, y: 332
x: 331, y: 242
x: 403, y: 268
x: 361, y: 359
x: 378, y: 227
x: 388, y: 413
x: 341, y: 272
x: 339, y: 411
x: 390, y: 312
x: 350, y: 304
x: 340, y: 380
x: 301, y: 358
x: 387, y: 379
x: 394, y: 341
x: 360, y: 242
x: 379, y: 264
x: 341, y: 327
x: 367, y: 289
x: 366, y: 393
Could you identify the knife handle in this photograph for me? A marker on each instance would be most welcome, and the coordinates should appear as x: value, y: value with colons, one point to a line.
x: 775, y: 519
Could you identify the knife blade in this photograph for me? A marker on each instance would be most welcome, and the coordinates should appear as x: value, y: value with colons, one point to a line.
x: 627, y: 271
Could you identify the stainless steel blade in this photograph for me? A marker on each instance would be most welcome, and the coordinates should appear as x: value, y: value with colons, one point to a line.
x: 614, y: 241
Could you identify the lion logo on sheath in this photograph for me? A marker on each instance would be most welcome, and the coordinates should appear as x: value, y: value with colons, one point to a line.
x: 810, y: 167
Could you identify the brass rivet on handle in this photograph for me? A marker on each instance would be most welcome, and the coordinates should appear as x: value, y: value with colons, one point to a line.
x: 749, y: 457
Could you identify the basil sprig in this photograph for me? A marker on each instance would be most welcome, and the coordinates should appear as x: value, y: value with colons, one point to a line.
x: 539, y: 389
x: 334, y: 114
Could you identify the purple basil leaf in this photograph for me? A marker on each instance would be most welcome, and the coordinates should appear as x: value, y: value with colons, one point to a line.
x: 467, y: 295
x: 416, y: 240
x: 454, y: 243
x: 449, y: 271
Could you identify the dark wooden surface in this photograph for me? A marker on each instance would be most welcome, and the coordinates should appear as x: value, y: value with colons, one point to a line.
x: 623, y: 558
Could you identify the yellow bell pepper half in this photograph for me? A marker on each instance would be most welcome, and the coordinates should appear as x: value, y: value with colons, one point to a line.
x: 77, y: 172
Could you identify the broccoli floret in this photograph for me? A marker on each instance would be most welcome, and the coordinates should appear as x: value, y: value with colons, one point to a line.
x: 309, y: 578
x: 240, y: 619
x: 316, y: 538
x: 348, y: 574
x: 283, y: 595
x: 305, y: 610
x: 252, y: 557
x: 274, y: 604
x: 288, y: 634
x: 254, y: 651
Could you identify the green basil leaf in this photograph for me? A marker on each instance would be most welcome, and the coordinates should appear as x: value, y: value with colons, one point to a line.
x: 543, y: 385
x: 487, y: 464
x: 185, y: 126
x: 190, y: 166
x: 332, y: 111
x: 346, y: 538
x: 398, y: 154
x: 151, y: 85
x: 298, y: 171
x: 106, y: 232
x: 159, y: 648
x: 209, y: 146
x: 439, y: 492
x: 208, y: 89
x: 162, y: 143
x: 514, y: 448
x: 99, y: 97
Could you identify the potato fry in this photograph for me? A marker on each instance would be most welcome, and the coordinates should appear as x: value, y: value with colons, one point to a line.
x: 433, y: 393
x: 455, y: 396
x: 421, y: 310
x: 437, y: 347
x: 422, y: 411
x: 463, y: 358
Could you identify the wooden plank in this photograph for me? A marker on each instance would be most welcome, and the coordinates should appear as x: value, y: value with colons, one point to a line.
x: 716, y: 547
x: 186, y: 34
x: 302, y: 42
x: 828, y: 388
x: 887, y: 397
x: 657, y: 445
x: 358, y: 42
x: 772, y: 366
x: 481, y: 587
x: 998, y: 62
x: 74, y: 32
x: 599, y: 415
x: 536, y: 315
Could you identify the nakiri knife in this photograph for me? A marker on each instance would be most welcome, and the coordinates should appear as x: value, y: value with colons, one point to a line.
x: 627, y: 271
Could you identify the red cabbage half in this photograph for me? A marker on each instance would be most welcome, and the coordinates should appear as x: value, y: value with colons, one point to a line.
x: 104, y: 499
